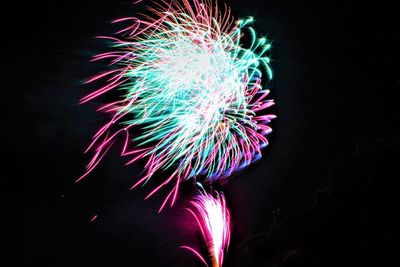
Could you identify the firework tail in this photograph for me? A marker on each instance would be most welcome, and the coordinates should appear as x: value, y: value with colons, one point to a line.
x: 213, y: 218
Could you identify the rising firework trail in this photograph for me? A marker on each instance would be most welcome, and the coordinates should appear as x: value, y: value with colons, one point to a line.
x: 212, y: 216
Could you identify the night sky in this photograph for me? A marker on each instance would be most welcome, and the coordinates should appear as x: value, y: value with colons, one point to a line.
x: 322, y: 195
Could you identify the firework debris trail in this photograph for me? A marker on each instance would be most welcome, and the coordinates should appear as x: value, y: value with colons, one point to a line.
x: 193, y: 93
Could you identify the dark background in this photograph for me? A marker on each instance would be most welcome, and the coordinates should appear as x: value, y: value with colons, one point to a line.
x: 322, y: 195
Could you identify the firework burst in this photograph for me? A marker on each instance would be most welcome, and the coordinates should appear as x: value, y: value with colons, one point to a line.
x: 190, y: 90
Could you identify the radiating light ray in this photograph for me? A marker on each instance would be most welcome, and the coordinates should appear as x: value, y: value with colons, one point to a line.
x: 191, y: 90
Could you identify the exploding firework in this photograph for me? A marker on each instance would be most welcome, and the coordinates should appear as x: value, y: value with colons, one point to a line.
x: 212, y: 216
x: 189, y: 89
